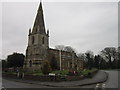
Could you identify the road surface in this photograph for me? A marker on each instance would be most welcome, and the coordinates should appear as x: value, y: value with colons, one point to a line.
x: 112, y: 82
x: 12, y: 84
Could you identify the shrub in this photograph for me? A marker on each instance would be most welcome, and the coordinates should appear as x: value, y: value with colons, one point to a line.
x: 62, y: 72
x: 46, y: 68
x: 89, y: 75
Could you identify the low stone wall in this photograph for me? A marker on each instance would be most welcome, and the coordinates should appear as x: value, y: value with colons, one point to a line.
x: 50, y: 78
x: 74, y: 78
x: 10, y: 75
x: 42, y: 78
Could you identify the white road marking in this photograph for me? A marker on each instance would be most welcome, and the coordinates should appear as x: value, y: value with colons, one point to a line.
x: 100, y: 85
x: 97, y: 86
x: 103, y: 86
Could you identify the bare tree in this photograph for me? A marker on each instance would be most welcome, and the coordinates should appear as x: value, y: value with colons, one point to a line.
x: 91, y: 53
x: 81, y: 56
x: 69, y: 49
x: 109, y: 54
x: 65, y: 48
x: 60, y: 47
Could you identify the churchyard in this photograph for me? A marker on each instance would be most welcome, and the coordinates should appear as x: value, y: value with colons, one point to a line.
x: 57, y: 75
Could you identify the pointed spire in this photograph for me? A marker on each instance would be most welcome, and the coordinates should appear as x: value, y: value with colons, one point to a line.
x: 40, y: 6
x: 39, y: 21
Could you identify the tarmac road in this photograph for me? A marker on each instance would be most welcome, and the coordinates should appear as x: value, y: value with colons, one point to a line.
x: 14, y: 84
x: 112, y: 82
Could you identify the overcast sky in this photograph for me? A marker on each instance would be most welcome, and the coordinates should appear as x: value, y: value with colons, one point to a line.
x: 81, y: 25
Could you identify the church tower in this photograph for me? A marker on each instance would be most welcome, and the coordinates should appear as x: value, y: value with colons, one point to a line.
x: 38, y: 43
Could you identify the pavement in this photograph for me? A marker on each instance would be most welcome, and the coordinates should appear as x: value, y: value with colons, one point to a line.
x: 100, y: 77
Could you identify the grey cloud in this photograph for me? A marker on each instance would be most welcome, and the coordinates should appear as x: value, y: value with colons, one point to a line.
x: 82, y: 25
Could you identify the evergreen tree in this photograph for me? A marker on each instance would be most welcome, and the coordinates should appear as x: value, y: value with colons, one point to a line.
x: 96, y: 61
x: 15, y: 60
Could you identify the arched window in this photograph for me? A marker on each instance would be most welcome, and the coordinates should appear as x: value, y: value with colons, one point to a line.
x: 30, y: 63
x: 33, y: 39
x: 43, y: 40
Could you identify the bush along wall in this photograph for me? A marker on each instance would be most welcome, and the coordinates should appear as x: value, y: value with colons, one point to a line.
x: 57, y: 78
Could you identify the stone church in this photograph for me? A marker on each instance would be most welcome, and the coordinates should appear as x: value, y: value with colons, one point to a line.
x: 38, y: 50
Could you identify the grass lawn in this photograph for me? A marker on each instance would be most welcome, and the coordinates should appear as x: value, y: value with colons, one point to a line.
x: 34, y: 73
x: 65, y: 72
x: 85, y: 72
x: 10, y: 73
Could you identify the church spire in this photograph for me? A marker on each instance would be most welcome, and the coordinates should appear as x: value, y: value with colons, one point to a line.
x: 39, y: 21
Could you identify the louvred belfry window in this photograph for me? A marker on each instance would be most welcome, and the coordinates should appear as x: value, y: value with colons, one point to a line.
x: 43, y: 40
x: 33, y: 39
